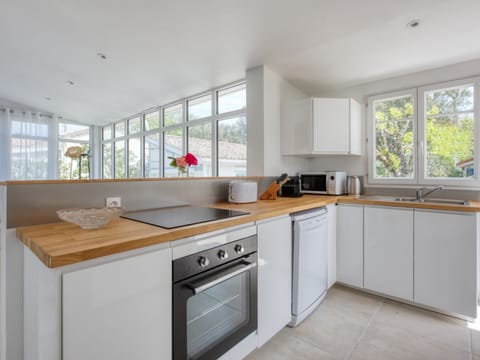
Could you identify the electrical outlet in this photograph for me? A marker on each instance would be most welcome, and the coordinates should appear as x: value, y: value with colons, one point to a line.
x: 113, y: 202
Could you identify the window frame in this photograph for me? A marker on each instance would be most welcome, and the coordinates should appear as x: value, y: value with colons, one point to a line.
x: 449, y: 182
x: 420, y: 178
x: 185, y: 124
x: 372, y: 144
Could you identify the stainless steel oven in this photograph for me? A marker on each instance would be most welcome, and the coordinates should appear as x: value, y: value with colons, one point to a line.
x: 214, y: 299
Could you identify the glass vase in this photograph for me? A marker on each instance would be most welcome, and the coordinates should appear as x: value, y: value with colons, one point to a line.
x: 182, y: 171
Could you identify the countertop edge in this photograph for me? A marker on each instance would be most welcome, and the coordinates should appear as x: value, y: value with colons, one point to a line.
x: 414, y: 205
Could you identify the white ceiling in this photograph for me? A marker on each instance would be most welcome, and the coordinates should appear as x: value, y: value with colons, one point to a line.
x: 159, y: 51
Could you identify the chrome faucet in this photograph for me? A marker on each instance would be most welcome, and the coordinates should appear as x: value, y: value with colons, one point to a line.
x: 420, y: 194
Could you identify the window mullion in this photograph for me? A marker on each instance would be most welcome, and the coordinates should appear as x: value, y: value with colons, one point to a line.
x: 214, y: 138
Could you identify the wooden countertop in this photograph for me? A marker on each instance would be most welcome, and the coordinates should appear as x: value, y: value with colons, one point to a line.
x: 61, y: 244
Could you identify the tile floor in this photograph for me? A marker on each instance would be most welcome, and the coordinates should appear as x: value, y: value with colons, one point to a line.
x: 353, y: 325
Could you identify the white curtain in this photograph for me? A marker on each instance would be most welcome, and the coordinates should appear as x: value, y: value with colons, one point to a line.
x: 4, y: 145
x: 26, y: 145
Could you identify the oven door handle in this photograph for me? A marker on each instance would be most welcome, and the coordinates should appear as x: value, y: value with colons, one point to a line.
x: 200, y: 286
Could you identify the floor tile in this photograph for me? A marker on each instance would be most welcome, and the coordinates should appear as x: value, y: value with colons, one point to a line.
x: 353, y: 325
x: 407, y: 322
x: 338, y: 323
x: 475, y: 334
x: 286, y: 347
x: 371, y: 348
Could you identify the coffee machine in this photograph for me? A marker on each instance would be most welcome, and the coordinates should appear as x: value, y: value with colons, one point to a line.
x: 292, y: 188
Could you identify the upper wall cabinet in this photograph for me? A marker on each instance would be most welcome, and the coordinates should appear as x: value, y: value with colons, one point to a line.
x: 318, y: 126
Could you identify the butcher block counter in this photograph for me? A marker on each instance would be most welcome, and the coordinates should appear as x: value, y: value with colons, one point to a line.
x: 60, y: 244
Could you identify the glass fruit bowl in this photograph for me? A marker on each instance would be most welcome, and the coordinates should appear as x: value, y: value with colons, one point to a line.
x: 92, y: 218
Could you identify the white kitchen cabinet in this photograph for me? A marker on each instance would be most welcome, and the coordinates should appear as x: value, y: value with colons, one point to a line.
x: 332, y: 245
x: 350, y: 244
x: 274, y: 276
x: 388, y: 251
x: 445, y: 261
x: 119, y: 310
x: 329, y: 126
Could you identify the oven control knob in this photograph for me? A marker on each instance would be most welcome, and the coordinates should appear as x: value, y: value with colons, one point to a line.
x: 239, y: 249
x: 222, y: 255
x: 203, y: 261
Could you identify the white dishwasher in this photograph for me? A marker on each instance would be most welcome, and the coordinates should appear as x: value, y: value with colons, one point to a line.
x: 309, y: 280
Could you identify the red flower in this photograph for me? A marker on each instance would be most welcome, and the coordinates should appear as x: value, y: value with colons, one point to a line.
x: 191, y: 159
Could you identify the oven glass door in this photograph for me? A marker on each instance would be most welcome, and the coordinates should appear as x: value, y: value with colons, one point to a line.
x: 314, y: 183
x: 219, y: 310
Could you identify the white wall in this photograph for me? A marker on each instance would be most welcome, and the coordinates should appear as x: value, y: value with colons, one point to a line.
x: 255, y: 116
x: 358, y: 166
x: 3, y: 239
x: 266, y: 92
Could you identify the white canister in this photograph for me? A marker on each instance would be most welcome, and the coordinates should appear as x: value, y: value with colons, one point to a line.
x: 242, y: 192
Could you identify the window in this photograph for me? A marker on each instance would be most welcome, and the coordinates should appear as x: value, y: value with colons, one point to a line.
x: 107, y: 161
x: 74, y: 165
x: 107, y: 133
x: 173, y: 115
x: 134, y: 125
x: 120, y: 129
x: 33, y: 146
x: 200, y: 144
x: 173, y: 140
x: 152, y: 155
x: 134, y: 159
x: 152, y: 121
x: 231, y: 99
x: 434, y: 144
x: 448, y: 121
x: 119, y: 159
x: 394, y: 122
x: 200, y: 107
x: 232, y: 147
x: 212, y: 126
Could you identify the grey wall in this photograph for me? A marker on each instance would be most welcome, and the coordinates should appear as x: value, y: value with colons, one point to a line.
x: 30, y: 204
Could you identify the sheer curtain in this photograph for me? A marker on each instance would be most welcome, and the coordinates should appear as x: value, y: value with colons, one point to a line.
x: 26, y: 145
x: 4, y: 144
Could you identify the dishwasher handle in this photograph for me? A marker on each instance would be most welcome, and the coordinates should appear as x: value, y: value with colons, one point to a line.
x: 304, y: 215
x: 310, y: 224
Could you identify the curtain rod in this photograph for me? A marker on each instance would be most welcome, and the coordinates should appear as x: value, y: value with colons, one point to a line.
x: 50, y: 116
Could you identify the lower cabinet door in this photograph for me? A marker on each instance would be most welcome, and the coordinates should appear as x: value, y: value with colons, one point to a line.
x: 445, y: 261
x: 350, y: 245
x: 274, y: 277
x: 388, y: 252
x: 119, y: 310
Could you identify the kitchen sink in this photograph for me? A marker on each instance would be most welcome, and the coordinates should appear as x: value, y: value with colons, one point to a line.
x: 414, y: 200
x: 434, y: 201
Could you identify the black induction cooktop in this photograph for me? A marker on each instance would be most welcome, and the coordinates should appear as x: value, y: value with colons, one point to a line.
x: 176, y: 216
